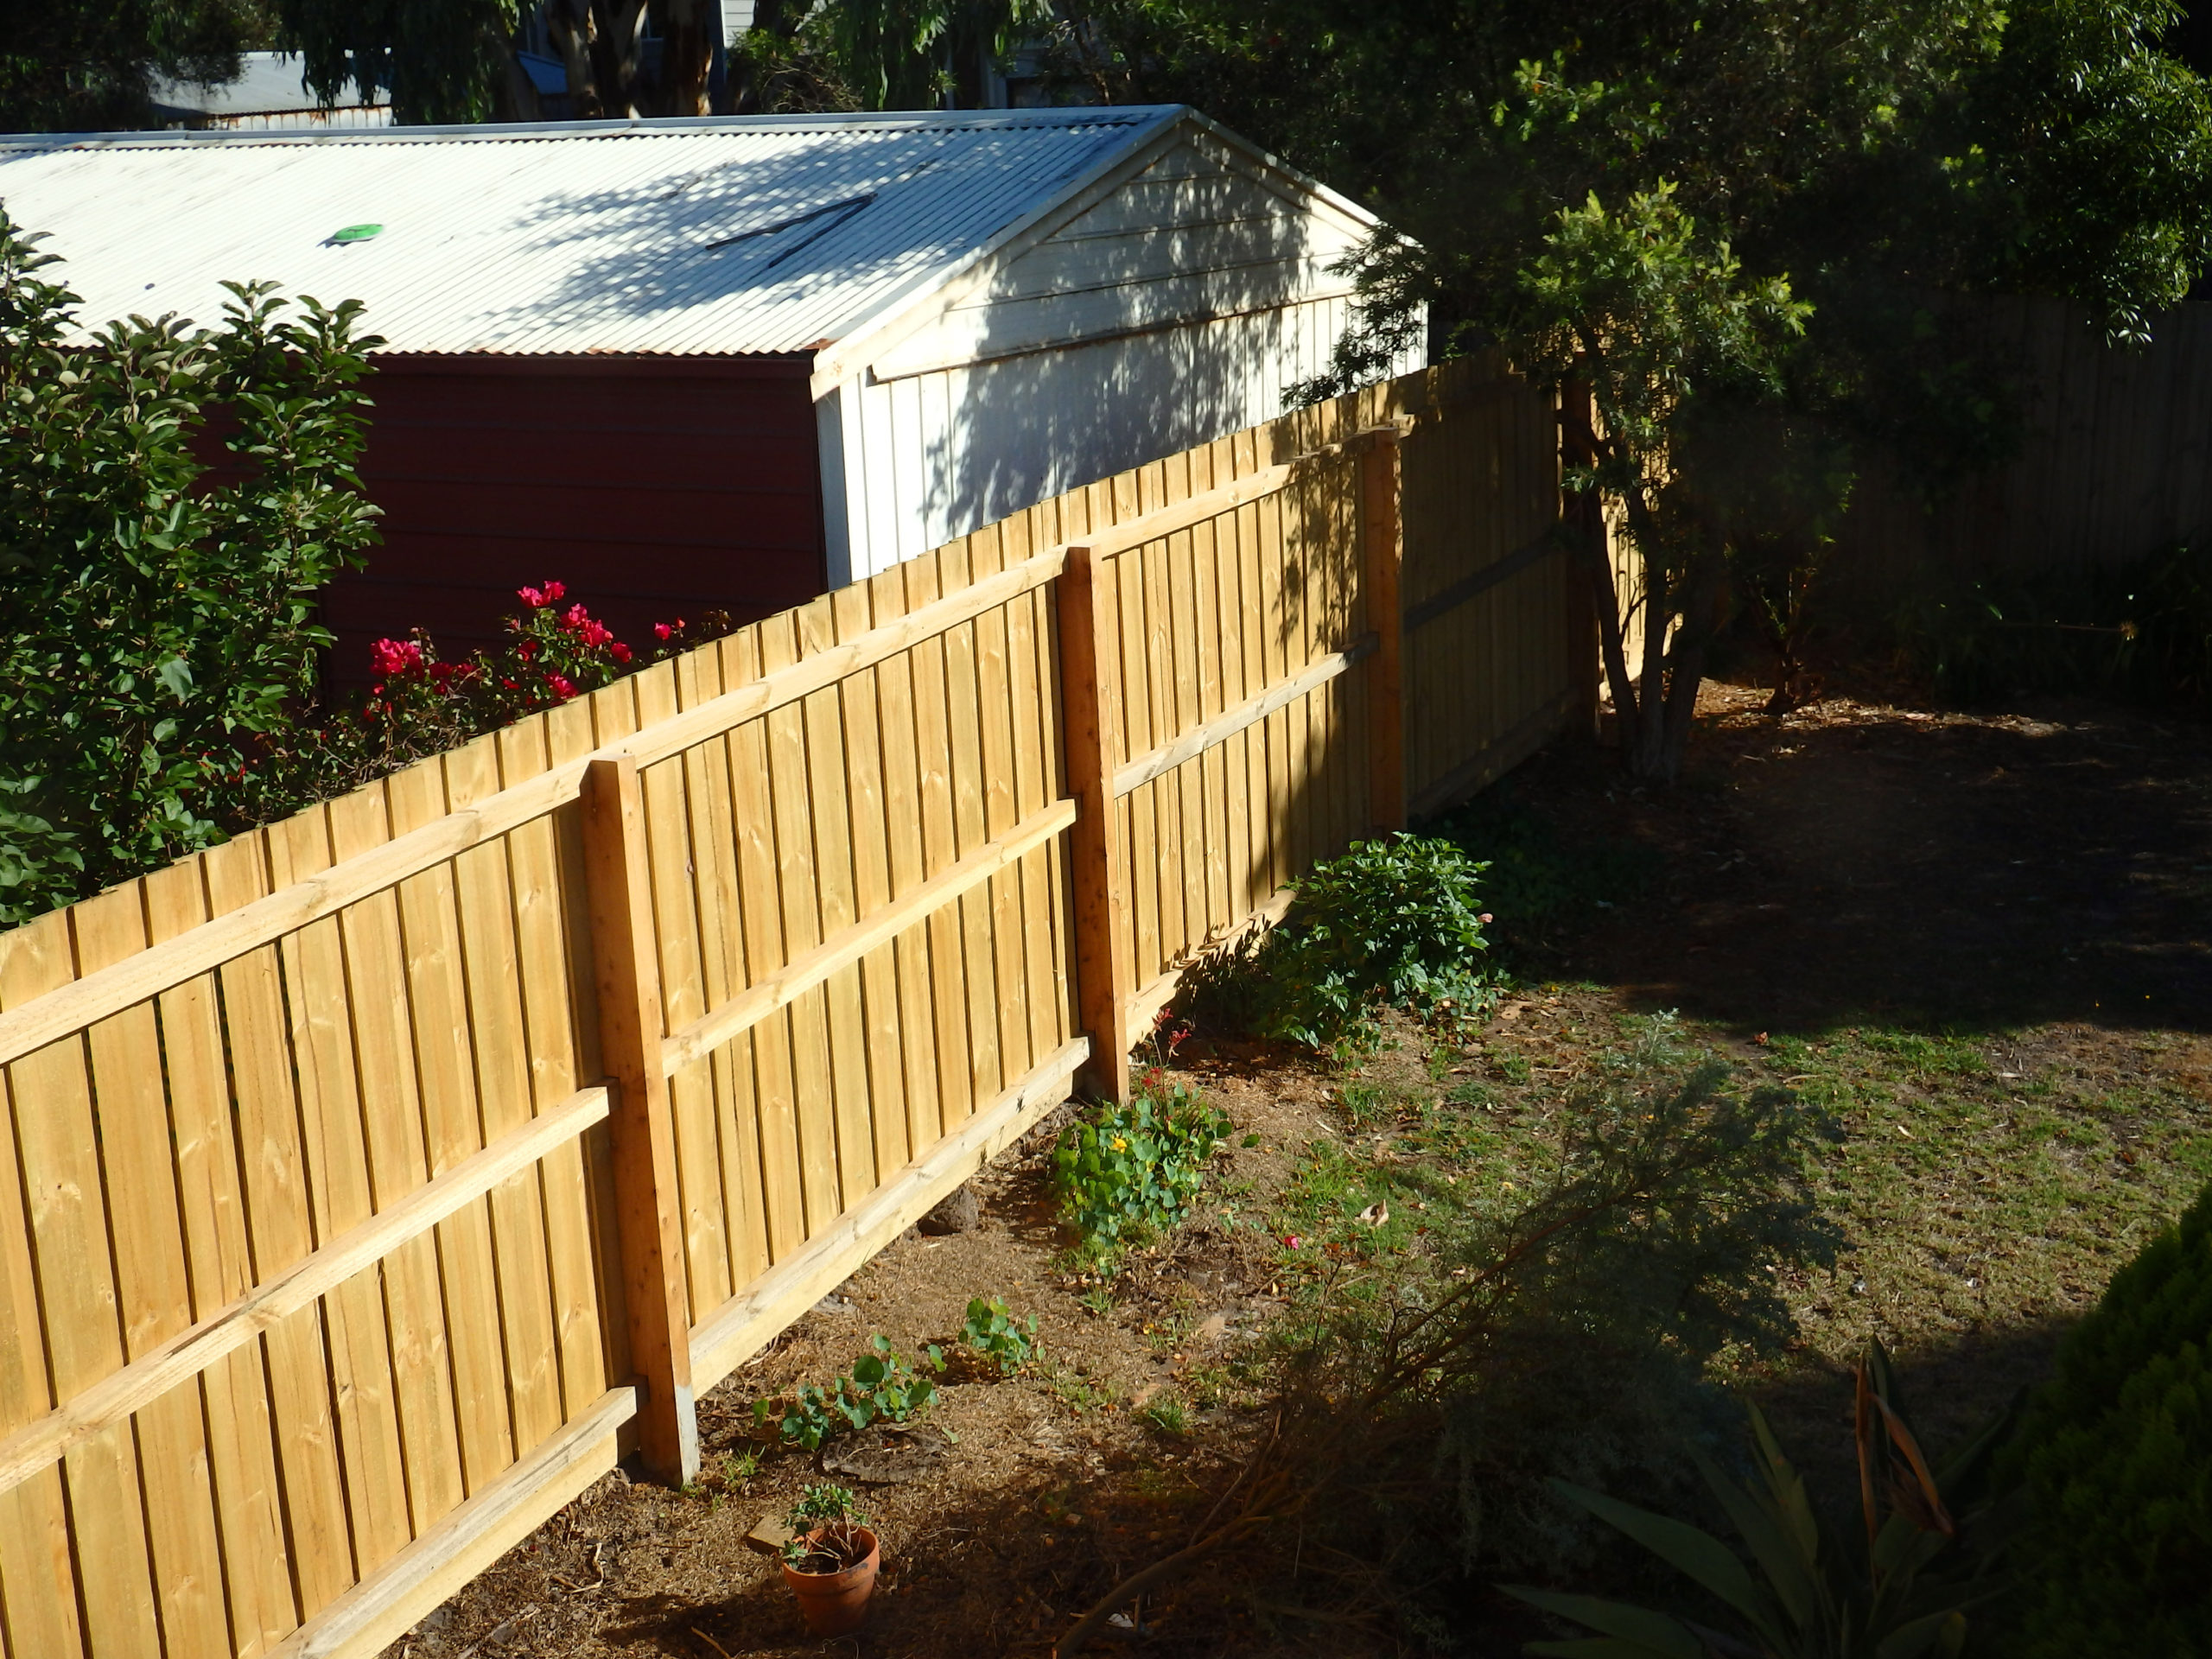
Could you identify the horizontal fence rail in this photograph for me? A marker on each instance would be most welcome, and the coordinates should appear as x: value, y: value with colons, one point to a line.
x: 385, y: 1175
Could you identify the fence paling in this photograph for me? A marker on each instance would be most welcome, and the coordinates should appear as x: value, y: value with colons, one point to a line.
x: 802, y: 899
x: 115, y: 1397
x: 710, y: 1031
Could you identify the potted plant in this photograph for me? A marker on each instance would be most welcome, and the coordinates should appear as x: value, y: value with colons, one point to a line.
x: 831, y: 1560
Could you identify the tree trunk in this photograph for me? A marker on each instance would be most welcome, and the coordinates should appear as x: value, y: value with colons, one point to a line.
x: 686, y: 52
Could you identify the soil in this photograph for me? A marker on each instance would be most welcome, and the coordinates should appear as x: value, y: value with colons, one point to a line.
x: 2037, y: 882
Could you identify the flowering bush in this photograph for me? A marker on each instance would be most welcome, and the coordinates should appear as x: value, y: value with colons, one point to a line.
x: 419, y: 704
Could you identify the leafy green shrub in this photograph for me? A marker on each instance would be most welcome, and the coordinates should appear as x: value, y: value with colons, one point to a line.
x: 154, y: 619
x: 993, y: 1332
x: 881, y: 1384
x: 1136, y: 1167
x: 2115, y: 1455
x: 1393, y: 922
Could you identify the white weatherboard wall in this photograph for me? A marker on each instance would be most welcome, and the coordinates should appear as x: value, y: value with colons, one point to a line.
x: 1177, y: 306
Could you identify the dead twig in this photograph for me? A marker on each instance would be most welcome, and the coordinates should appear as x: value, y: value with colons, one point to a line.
x: 711, y: 1642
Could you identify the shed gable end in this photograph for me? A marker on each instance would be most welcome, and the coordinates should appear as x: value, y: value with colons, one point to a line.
x: 1200, y: 233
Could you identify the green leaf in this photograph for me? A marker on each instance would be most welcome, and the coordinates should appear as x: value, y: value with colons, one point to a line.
x: 1630, y: 1632
x: 1691, y: 1549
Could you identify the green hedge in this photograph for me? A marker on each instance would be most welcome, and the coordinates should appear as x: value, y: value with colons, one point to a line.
x: 2115, y: 1457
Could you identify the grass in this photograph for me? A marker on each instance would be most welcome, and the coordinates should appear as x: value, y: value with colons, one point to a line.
x: 1989, y: 1182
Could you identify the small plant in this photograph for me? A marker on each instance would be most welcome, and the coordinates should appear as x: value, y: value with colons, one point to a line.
x: 826, y: 1527
x: 1136, y: 1166
x: 1903, y: 1593
x: 1166, y: 1415
x: 881, y: 1384
x: 993, y: 1332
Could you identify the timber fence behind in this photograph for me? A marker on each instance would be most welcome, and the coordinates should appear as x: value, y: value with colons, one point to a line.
x: 382, y: 1177
x: 2116, y: 461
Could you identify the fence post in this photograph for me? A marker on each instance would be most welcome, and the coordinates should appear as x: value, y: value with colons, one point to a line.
x: 1384, y: 556
x: 646, y: 1217
x: 1088, y: 721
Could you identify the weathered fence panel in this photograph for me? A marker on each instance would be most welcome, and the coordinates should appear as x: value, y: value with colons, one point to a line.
x: 2116, y: 462
x: 383, y: 1175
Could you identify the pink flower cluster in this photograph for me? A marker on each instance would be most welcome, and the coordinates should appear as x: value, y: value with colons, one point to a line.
x: 539, y: 598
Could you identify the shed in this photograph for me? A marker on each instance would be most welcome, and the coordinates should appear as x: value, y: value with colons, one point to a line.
x: 729, y: 362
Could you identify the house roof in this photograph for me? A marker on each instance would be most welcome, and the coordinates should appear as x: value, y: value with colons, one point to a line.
x: 268, y: 83
x: 759, y: 234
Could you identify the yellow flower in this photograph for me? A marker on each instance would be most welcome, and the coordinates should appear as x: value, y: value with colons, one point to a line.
x: 1119, y: 1145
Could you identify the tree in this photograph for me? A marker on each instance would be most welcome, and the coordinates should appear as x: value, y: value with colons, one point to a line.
x: 86, y: 66
x: 455, y: 61
x: 156, y: 613
x: 1723, y: 229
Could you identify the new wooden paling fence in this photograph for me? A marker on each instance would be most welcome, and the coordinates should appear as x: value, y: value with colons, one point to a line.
x: 381, y: 1177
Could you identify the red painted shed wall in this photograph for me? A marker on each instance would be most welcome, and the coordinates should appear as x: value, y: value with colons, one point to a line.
x: 653, y: 488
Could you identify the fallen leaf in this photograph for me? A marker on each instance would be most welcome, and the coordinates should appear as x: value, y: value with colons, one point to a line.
x: 1375, y: 1215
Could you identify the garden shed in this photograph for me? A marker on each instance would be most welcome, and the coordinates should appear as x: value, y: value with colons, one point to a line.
x: 729, y: 362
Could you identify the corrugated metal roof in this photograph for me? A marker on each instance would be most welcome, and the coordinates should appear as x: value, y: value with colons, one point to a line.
x: 760, y: 235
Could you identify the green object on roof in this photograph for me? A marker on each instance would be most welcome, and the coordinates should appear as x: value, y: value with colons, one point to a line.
x: 356, y: 232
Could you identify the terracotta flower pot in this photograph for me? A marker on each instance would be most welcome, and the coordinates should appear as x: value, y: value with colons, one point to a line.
x: 835, y: 1603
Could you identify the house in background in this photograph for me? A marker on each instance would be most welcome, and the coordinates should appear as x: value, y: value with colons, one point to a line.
x: 729, y: 362
x: 269, y: 94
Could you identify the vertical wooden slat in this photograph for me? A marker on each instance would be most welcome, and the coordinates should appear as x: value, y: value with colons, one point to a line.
x: 629, y: 1036
x: 152, y: 1287
x: 339, y: 1193
x: 384, y: 1049
x: 1105, y: 978
x: 241, y: 1445
x: 278, y: 1233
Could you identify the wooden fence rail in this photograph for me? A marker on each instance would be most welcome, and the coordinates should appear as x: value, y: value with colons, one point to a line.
x: 383, y: 1176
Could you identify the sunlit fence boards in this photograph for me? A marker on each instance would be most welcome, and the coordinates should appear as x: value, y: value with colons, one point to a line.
x: 382, y: 1176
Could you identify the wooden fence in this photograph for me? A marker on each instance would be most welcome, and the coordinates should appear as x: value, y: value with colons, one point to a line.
x: 2116, y: 462
x: 383, y: 1176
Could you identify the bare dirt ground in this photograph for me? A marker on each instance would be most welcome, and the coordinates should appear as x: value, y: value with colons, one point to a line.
x: 1984, y: 940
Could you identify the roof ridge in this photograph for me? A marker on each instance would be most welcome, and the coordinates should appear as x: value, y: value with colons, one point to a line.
x: 1065, y: 117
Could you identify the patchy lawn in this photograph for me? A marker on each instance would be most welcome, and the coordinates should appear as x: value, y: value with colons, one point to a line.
x: 1983, y: 943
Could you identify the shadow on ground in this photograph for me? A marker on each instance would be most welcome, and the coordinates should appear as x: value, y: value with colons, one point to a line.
x: 1857, y: 862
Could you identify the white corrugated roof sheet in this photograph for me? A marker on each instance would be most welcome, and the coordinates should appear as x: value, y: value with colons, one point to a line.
x: 762, y: 235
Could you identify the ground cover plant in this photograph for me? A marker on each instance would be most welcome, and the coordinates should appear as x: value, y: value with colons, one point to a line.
x: 882, y: 1386
x: 1123, y: 1173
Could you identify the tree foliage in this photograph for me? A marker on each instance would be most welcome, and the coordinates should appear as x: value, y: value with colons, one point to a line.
x: 155, y: 612
x: 86, y: 66
x: 1725, y: 227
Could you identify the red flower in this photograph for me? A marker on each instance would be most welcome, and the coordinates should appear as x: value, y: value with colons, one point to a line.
x: 661, y: 630
x: 394, y: 658
x: 562, y: 686
x: 539, y: 598
x: 618, y: 652
x: 526, y: 650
